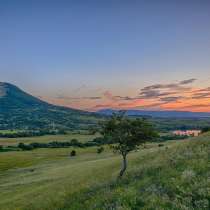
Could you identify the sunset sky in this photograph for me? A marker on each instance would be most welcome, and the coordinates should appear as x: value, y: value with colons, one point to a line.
x: 96, y: 54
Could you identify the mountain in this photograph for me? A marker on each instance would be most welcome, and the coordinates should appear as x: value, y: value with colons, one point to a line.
x: 158, y: 114
x: 20, y: 110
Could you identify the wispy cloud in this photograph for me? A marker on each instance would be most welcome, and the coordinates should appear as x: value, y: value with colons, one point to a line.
x: 188, y: 81
x: 196, y: 106
x: 168, y: 96
x: 201, y: 93
x: 172, y: 98
x: 126, y: 98
x: 170, y: 86
x: 150, y: 94
x: 181, y: 95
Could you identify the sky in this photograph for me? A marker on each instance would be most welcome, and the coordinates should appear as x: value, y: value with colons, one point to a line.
x: 96, y: 54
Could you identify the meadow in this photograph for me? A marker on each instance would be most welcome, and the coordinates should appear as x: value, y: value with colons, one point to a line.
x: 175, y: 175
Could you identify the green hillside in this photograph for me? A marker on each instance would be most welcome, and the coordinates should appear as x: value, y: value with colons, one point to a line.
x: 174, y: 176
x: 19, y: 110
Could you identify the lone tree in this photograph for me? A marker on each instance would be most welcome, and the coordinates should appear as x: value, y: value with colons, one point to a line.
x: 126, y: 135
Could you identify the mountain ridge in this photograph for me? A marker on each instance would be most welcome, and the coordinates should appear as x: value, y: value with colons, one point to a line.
x: 163, y: 114
x: 20, y: 110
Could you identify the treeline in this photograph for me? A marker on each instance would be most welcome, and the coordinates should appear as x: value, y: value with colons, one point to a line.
x: 206, y: 129
x: 172, y: 137
x: 99, y: 141
x: 170, y: 124
x: 31, y: 133
x: 58, y: 144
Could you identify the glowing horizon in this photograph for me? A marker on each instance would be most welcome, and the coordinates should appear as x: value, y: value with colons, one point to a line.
x: 180, y: 96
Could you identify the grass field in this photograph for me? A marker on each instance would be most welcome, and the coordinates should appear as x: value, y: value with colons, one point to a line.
x: 175, y: 176
x: 46, y: 139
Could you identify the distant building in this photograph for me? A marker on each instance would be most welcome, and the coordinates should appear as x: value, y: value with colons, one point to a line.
x: 187, y: 132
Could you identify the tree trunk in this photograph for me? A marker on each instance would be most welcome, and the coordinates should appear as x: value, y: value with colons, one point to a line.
x: 124, y: 166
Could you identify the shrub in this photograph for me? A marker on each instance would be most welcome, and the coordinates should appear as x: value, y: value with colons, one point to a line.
x: 25, y: 147
x: 73, y: 153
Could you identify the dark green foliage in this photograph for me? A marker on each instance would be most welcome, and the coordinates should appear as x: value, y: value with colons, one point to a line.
x: 40, y: 132
x: 205, y: 129
x: 73, y: 153
x: 171, y: 137
x: 59, y: 144
x: 127, y: 134
x: 25, y: 146
x: 75, y: 142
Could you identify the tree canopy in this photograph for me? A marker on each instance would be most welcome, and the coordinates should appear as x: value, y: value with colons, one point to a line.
x: 127, y: 134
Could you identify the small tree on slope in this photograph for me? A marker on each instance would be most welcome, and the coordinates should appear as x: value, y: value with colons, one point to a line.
x: 126, y: 135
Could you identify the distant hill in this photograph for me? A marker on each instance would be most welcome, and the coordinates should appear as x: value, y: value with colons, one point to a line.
x: 20, y: 110
x: 159, y: 114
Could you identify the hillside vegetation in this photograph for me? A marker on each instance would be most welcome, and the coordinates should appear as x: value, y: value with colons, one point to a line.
x: 19, y: 110
x: 175, y: 175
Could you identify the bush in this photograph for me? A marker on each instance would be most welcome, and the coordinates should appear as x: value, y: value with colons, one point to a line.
x: 73, y: 153
x: 25, y: 147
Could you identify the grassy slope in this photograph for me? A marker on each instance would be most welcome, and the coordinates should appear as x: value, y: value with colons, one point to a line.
x: 176, y: 176
x: 46, y: 138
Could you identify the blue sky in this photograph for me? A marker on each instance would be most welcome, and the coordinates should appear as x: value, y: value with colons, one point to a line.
x: 67, y: 51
